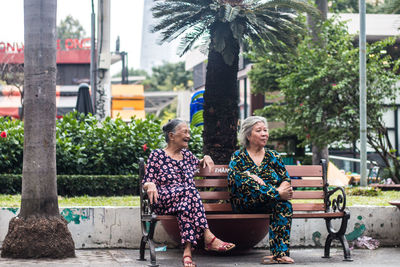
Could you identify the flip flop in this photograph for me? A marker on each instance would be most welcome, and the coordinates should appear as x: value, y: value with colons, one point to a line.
x: 272, y: 260
x: 188, y: 262
x: 224, y: 247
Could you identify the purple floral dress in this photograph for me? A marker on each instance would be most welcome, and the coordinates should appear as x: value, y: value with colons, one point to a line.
x: 177, y: 192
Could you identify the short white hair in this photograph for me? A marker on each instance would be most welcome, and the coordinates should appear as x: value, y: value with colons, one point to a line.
x: 247, y: 126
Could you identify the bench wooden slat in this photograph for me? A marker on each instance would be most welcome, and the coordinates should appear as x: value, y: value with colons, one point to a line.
x: 226, y: 207
x: 298, y: 171
x: 307, y: 183
x: 217, y: 207
x: 224, y: 183
x: 319, y: 215
x: 308, y: 206
x: 218, y: 170
x: 237, y: 216
x: 304, y: 170
x: 211, y: 183
x: 260, y: 216
x: 224, y: 195
x: 308, y: 194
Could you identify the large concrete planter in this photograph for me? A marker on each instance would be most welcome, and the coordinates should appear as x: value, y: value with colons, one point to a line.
x: 244, y: 233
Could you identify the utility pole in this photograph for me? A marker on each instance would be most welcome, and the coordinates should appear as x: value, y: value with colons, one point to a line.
x: 103, y: 90
x: 93, y: 58
x: 363, y: 97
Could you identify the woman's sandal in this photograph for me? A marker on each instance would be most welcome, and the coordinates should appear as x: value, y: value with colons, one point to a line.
x: 276, y: 260
x: 188, y: 263
x: 224, y: 247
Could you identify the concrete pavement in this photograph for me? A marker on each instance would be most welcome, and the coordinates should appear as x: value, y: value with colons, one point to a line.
x: 172, y: 257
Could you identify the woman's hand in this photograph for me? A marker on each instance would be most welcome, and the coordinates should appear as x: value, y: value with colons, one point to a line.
x: 207, y: 161
x: 257, y: 179
x: 151, y: 190
x: 285, y: 191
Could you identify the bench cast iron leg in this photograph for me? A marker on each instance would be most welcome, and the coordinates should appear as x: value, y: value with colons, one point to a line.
x: 147, y: 238
x: 332, y: 235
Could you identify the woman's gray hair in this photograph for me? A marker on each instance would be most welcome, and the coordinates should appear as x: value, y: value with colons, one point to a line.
x: 170, y: 127
x: 246, y: 127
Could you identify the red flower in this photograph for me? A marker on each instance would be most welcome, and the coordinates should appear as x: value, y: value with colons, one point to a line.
x: 144, y: 147
x: 308, y: 136
x: 59, y: 116
x: 301, y: 104
x: 3, y: 134
x: 334, y: 84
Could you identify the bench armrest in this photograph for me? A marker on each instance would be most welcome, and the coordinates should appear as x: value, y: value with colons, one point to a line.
x: 145, y: 207
x: 338, y: 203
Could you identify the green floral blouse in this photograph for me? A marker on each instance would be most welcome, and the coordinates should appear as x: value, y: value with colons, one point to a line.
x: 246, y: 194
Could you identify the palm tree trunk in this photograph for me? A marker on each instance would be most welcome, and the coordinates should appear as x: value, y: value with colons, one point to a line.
x: 39, y: 230
x: 221, y: 99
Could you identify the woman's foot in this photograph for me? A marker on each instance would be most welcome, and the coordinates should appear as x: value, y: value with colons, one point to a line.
x: 187, y: 261
x: 218, y: 245
x: 276, y: 260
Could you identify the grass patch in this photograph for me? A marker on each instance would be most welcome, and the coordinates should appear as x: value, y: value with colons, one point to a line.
x: 13, y: 201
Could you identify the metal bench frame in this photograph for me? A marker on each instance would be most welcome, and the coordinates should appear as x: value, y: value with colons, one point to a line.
x: 330, y: 209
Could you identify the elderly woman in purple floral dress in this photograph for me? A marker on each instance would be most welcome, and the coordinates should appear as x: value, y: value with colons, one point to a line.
x: 169, y: 184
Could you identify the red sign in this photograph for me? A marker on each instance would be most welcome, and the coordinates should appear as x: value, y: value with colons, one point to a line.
x: 69, y: 44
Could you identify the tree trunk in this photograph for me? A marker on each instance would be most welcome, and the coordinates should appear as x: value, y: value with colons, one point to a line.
x: 322, y: 5
x: 39, y: 230
x: 221, y: 98
x: 319, y: 153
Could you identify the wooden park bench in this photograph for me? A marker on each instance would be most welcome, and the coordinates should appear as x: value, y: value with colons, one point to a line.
x: 246, y: 230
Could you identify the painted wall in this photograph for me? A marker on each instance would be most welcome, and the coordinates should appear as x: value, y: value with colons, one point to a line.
x: 111, y: 227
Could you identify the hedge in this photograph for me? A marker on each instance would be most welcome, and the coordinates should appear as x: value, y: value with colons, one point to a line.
x: 79, y: 185
x: 86, y: 146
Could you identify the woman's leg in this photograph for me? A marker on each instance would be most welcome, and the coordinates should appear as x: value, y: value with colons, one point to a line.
x: 279, y: 229
x: 187, y: 256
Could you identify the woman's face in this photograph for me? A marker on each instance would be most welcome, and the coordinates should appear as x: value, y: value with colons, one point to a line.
x: 259, y: 135
x: 181, y: 136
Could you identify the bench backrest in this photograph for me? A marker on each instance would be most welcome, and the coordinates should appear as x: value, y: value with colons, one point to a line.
x: 213, y: 187
x: 310, y: 187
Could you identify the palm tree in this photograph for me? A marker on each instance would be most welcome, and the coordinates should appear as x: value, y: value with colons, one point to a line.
x: 226, y: 24
x: 39, y: 230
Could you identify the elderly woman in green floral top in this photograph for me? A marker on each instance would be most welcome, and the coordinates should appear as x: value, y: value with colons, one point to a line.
x: 259, y: 182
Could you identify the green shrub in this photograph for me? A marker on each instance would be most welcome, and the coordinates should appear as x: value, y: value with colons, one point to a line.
x: 10, y: 184
x: 11, y: 146
x: 196, y: 141
x: 79, y: 185
x: 363, y: 191
x: 88, y: 146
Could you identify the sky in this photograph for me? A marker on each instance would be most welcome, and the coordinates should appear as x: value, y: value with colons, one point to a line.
x: 126, y: 22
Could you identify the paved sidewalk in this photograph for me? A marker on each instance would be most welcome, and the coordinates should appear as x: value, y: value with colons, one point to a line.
x: 171, y: 258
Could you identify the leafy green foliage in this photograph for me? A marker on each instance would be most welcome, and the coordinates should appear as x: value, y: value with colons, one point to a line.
x: 196, y: 141
x: 267, y: 23
x: 88, y: 146
x: 70, y: 28
x: 363, y: 191
x: 320, y: 86
x: 11, y: 147
x: 80, y: 185
x: 320, y: 90
x: 133, y: 72
x: 169, y: 77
